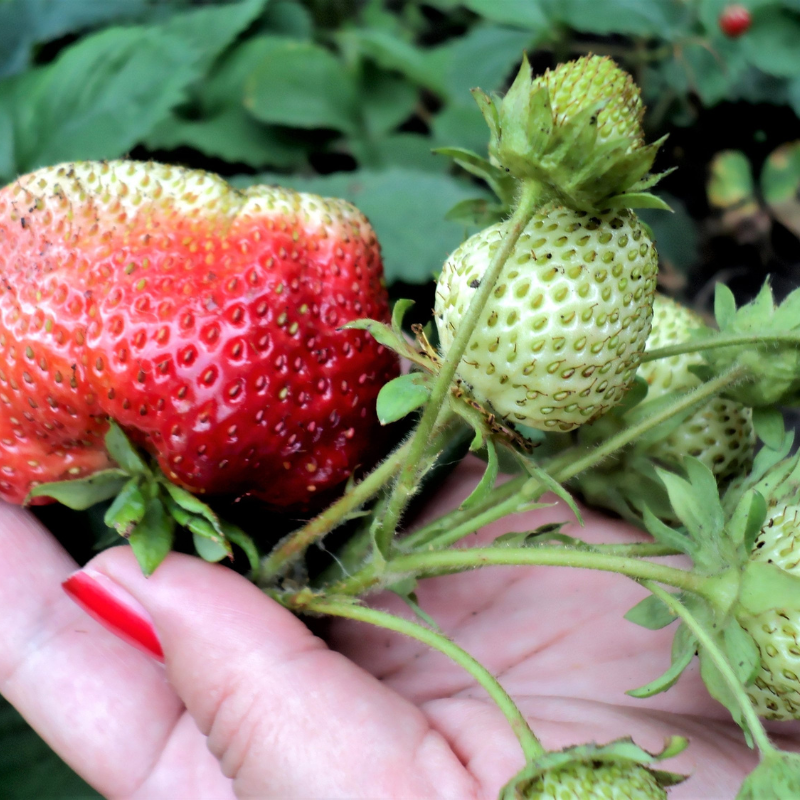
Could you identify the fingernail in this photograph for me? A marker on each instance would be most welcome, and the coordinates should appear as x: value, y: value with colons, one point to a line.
x: 115, y: 609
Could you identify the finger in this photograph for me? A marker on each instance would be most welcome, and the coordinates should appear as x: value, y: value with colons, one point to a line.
x: 268, y: 694
x: 104, y: 707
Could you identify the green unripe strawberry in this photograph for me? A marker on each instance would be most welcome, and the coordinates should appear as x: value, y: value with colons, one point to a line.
x: 560, y: 339
x: 619, y: 770
x: 776, y: 690
x: 721, y: 433
x: 590, y: 80
x: 575, y: 132
x: 608, y: 781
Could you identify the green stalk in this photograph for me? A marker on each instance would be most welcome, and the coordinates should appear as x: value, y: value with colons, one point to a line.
x: 698, y: 345
x: 406, y: 485
x: 734, y: 684
x: 445, y: 562
x: 296, y: 543
x: 567, y: 465
x: 527, y: 739
x: 699, y: 395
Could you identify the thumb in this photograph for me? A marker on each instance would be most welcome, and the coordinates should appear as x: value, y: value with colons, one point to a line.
x: 285, y: 715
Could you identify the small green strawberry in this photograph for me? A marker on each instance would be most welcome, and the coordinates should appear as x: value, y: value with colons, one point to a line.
x: 576, y: 131
x: 776, y: 689
x: 721, y: 433
x: 560, y: 339
x: 619, y: 770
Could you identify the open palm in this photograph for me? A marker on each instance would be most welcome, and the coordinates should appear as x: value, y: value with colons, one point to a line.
x: 252, y: 705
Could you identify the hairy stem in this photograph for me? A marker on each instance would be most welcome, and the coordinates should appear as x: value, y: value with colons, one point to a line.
x: 444, y: 562
x: 296, y: 543
x: 754, y: 724
x: 698, y: 345
x: 409, y: 474
x: 527, y: 739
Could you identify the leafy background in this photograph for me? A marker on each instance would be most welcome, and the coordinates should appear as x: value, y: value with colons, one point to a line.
x: 348, y: 98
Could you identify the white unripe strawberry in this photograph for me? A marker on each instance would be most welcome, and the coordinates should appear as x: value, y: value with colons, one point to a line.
x: 560, y: 338
x: 720, y: 433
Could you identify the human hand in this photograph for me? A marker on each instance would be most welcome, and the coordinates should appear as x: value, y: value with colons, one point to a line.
x: 250, y: 704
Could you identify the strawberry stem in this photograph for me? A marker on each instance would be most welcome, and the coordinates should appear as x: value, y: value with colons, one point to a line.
x: 305, y: 602
x: 444, y: 562
x: 296, y: 543
x: 699, y: 345
x: 508, y: 498
x: 408, y: 479
x: 749, y: 714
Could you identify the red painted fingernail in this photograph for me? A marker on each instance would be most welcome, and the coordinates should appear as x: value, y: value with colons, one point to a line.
x: 115, y: 609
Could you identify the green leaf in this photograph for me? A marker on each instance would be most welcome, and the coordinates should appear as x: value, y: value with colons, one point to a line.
x: 483, y: 57
x: 768, y: 587
x: 650, y: 613
x: 232, y: 135
x: 29, y: 769
x: 122, y: 451
x: 402, y: 395
x: 769, y: 426
x: 386, y: 102
x: 487, y: 481
x: 742, y: 652
x: 82, y: 493
x: 151, y: 540
x: 302, y: 85
x: 392, y: 53
x: 771, y: 42
x: 731, y: 182
x: 682, y: 656
x: 127, y: 510
x: 521, y: 13
x: 780, y: 183
x: 659, y: 18
x: 415, y: 238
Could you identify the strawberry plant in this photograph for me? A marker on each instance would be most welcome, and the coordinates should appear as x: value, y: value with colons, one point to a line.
x: 172, y: 343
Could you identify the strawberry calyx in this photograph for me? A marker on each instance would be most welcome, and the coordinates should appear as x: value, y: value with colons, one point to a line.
x: 585, y: 763
x: 146, y: 507
x: 582, y: 144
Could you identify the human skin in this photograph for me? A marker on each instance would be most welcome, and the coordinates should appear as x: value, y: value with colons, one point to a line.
x: 250, y: 704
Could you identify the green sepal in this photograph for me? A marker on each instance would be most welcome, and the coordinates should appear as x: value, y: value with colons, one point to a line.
x: 777, y: 777
x: 650, y: 613
x: 622, y: 752
x: 637, y: 200
x: 684, y: 647
x: 742, y: 652
x: 385, y: 335
x: 235, y: 535
x: 405, y: 589
x: 501, y: 183
x: 199, y: 525
x: 767, y: 587
x: 769, y: 426
x: 210, y: 550
x: 192, y: 505
x: 82, y: 493
x: 402, y: 395
x: 127, y: 510
x: 152, y: 538
x: 535, y: 471
x: 487, y: 481
x: 747, y: 520
x: 772, y: 367
x: 122, y: 451
x: 662, y: 533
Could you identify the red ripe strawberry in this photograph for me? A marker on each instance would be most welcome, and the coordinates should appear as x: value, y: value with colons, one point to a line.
x: 203, y: 319
x: 734, y: 21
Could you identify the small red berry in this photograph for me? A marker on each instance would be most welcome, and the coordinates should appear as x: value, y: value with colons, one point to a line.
x: 734, y: 21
